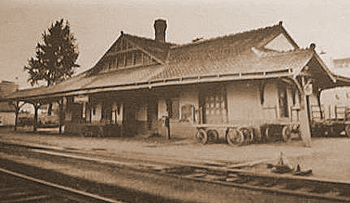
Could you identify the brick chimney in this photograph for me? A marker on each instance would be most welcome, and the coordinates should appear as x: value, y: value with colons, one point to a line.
x: 159, y: 29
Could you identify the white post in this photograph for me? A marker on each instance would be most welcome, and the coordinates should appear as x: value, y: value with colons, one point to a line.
x: 304, y: 118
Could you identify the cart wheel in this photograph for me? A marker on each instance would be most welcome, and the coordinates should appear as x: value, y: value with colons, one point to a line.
x: 235, y: 137
x: 286, y: 133
x: 251, y: 131
x: 202, y: 136
x: 212, y: 135
x: 87, y: 133
x: 247, y: 133
x: 347, y: 130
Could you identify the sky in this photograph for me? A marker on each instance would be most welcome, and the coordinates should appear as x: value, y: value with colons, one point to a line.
x: 97, y: 24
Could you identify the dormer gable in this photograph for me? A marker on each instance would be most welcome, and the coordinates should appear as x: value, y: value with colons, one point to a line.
x: 280, y: 43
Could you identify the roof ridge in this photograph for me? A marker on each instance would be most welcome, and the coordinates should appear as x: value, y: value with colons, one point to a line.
x: 146, y: 38
x: 226, y: 36
x: 261, y: 52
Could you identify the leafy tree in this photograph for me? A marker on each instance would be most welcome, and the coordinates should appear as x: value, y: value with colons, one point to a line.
x: 56, y: 56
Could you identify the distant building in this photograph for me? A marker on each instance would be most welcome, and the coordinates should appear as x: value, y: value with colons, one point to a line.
x: 341, y: 63
x: 7, y: 111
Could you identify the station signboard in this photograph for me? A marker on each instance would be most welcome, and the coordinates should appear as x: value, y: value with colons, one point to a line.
x: 81, y: 99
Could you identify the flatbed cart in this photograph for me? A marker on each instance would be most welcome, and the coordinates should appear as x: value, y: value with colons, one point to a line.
x: 281, y: 131
x: 238, y: 135
x: 331, y: 128
x: 333, y: 125
x: 232, y: 134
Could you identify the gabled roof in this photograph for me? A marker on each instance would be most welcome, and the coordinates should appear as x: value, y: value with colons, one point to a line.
x: 157, y: 49
x: 233, y: 57
x: 227, y: 46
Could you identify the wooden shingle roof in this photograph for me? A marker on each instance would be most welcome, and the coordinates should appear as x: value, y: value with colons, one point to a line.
x: 233, y: 57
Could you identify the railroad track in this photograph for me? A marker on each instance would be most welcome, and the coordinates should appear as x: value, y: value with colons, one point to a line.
x: 16, y: 187
x: 305, y: 187
x: 275, y: 183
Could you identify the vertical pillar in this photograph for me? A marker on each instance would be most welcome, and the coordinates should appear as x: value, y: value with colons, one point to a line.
x: 319, y: 104
x: 120, y: 118
x: 304, y: 118
x: 36, y: 108
x: 60, y: 115
x: 17, y: 108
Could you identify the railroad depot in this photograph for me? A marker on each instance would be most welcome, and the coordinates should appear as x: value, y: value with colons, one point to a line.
x: 259, y: 81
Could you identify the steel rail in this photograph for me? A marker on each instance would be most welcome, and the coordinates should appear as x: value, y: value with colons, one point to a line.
x: 230, y: 174
x: 226, y: 176
x: 85, y: 195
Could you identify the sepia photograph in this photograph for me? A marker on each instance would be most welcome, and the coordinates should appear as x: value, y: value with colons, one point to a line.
x: 165, y: 101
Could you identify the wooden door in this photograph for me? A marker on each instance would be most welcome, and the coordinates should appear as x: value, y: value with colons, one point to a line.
x: 214, y: 106
x: 129, y: 121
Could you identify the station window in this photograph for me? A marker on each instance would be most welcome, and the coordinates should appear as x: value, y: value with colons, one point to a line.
x: 173, y: 108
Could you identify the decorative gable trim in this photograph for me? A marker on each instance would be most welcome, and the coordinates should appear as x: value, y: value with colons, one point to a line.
x: 124, y: 54
x: 150, y: 55
x: 285, y: 34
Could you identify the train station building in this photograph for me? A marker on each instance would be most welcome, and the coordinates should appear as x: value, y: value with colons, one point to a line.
x: 249, y: 80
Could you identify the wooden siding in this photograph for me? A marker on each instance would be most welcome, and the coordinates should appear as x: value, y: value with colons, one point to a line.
x: 243, y: 101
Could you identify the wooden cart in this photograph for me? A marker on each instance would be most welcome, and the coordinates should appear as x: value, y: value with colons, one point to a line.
x: 279, y: 131
x: 238, y: 135
x: 336, y: 124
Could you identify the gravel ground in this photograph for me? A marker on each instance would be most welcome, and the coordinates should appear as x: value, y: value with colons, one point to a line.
x: 329, y: 158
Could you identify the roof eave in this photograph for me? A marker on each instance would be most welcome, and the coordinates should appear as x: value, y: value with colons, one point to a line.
x: 165, y: 82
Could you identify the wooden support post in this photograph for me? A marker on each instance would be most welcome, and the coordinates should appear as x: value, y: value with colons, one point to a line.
x: 336, y: 112
x: 60, y: 115
x: 17, y: 108
x: 36, y: 108
x: 35, y: 124
x: 305, y: 119
x: 121, y: 122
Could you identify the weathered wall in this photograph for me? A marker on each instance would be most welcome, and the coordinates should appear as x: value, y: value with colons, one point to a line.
x: 246, y: 108
x: 184, y: 125
x: 244, y: 104
x: 141, y: 112
x: 7, y: 118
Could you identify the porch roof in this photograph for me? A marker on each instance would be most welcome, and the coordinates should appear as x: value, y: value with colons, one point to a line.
x: 257, y: 67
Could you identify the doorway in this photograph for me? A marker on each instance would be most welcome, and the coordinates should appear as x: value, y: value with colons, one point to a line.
x: 152, y: 113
